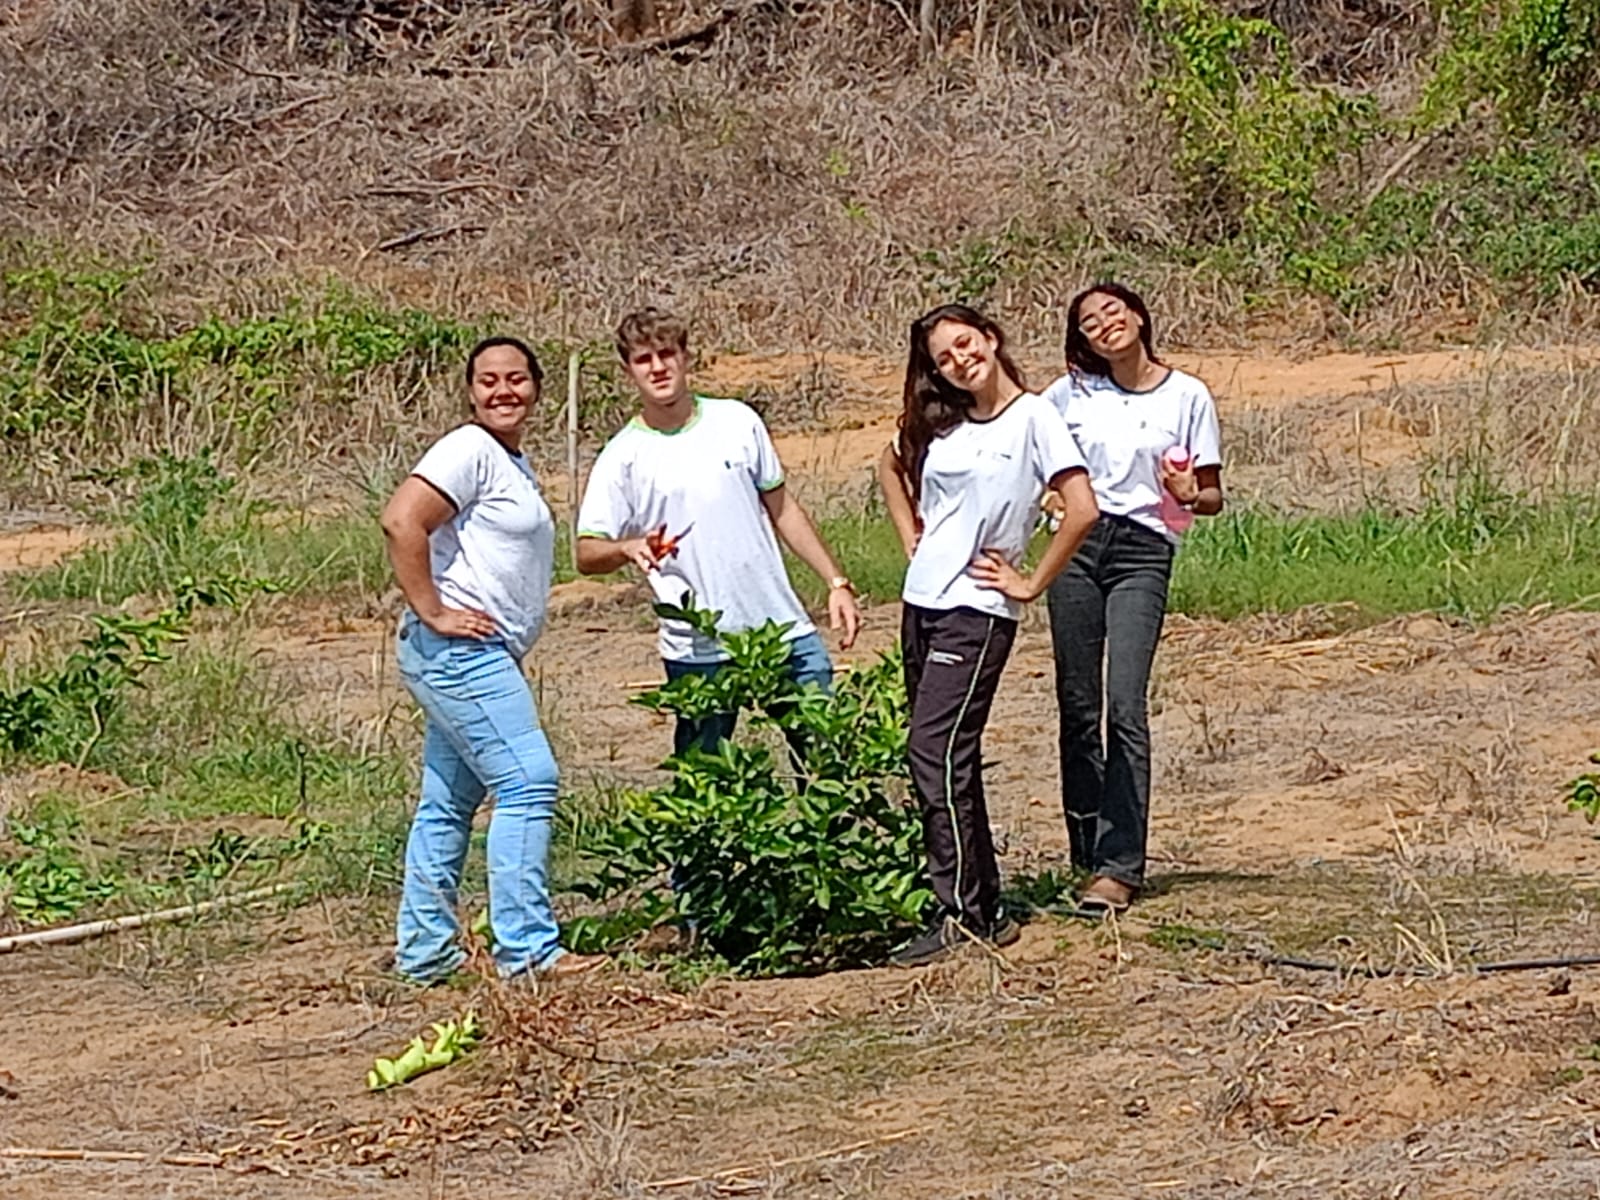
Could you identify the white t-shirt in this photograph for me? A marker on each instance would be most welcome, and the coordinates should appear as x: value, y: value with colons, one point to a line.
x: 981, y: 486
x: 709, y: 474
x: 1124, y: 434
x: 497, y: 553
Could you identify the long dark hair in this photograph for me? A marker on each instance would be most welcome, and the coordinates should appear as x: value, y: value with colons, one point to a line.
x: 1080, y: 355
x: 932, y: 403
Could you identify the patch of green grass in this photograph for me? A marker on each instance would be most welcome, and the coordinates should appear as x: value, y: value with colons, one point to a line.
x: 303, y: 554
x: 1049, y: 889
x: 1471, y: 561
x: 213, y: 777
x: 1176, y: 938
x: 86, y: 352
x: 1472, y: 558
x: 867, y: 550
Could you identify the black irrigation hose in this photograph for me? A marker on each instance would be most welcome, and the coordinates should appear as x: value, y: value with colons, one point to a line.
x: 1516, y: 964
x: 1388, y: 972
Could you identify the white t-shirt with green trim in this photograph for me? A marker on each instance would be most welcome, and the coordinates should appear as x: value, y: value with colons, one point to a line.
x: 710, y: 475
x: 498, y: 552
x: 981, y: 486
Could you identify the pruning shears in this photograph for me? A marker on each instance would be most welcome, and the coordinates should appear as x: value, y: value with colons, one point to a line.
x: 663, y: 546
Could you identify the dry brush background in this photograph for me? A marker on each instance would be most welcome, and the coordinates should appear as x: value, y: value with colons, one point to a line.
x: 792, y: 176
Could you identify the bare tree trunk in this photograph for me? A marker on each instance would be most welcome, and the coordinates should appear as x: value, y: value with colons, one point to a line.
x: 927, y: 43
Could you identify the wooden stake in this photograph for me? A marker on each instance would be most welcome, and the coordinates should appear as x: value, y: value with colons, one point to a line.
x: 574, y: 492
x: 1361, y: 466
x: 926, y: 42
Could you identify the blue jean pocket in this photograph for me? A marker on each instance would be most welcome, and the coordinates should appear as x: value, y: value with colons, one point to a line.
x: 419, y: 649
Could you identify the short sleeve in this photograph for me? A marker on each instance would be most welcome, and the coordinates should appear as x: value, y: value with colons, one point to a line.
x: 1203, y: 436
x: 1059, y: 392
x: 605, y: 511
x: 455, y: 465
x: 1055, y: 450
x: 768, y: 468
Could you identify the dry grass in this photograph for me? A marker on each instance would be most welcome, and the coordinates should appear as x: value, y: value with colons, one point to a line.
x: 1528, y: 424
x: 795, y: 179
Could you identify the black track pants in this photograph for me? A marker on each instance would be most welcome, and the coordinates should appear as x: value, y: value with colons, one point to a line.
x: 953, y: 660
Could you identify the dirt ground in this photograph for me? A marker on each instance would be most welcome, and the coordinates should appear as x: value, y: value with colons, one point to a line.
x: 1388, y: 795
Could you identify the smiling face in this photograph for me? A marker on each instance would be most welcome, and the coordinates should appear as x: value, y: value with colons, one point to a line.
x: 660, y: 373
x: 503, y: 392
x: 1111, y: 328
x: 964, y: 355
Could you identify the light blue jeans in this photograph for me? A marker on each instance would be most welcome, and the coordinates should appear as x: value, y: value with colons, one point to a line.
x: 482, y: 735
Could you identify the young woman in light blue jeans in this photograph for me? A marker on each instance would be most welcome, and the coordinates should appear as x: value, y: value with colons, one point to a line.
x: 472, y: 544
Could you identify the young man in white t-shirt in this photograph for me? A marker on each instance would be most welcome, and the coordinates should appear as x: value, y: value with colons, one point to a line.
x: 704, y: 472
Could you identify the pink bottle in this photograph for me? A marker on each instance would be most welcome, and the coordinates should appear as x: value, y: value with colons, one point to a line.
x: 1176, y: 517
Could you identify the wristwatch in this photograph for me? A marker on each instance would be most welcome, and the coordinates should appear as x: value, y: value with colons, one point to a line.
x: 841, y: 581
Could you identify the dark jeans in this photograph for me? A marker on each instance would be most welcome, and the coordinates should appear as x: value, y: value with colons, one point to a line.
x: 953, y: 660
x: 808, y: 664
x: 1107, y: 608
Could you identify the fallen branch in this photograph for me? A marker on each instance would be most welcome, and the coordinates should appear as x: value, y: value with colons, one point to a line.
x: 758, y: 1168
x: 77, y: 1155
x: 1382, y: 971
x: 423, y: 235
x: 1398, y: 166
x: 92, y: 929
x: 74, y: 1154
x: 433, y: 191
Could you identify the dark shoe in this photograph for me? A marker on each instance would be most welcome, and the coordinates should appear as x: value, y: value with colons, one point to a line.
x: 1003, y: 931
x: 938, y: 940
x: 385, y: 965
x: 670, y: 937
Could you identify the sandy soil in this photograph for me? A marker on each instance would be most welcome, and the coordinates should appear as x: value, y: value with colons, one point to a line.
x: 1388, y: 793
x: 859, y: 398
x: 1314, y: 793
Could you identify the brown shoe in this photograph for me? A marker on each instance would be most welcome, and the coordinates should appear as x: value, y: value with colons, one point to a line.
x: 573, y: 964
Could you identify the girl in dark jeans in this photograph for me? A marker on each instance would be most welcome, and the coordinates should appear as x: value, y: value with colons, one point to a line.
x: 1126, y: 408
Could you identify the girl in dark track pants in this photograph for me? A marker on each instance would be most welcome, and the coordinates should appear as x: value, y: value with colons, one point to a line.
x: 962, y: 482
x: 1126, y: 410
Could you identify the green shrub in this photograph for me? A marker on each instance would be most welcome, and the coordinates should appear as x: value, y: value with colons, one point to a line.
x: 1256, y: 141
x: 81, y: 348
x: 47, y: 881
x: 1537, y: 61
x: 788, y: 859
x: 1583, y: 793
x: 61, y: 715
